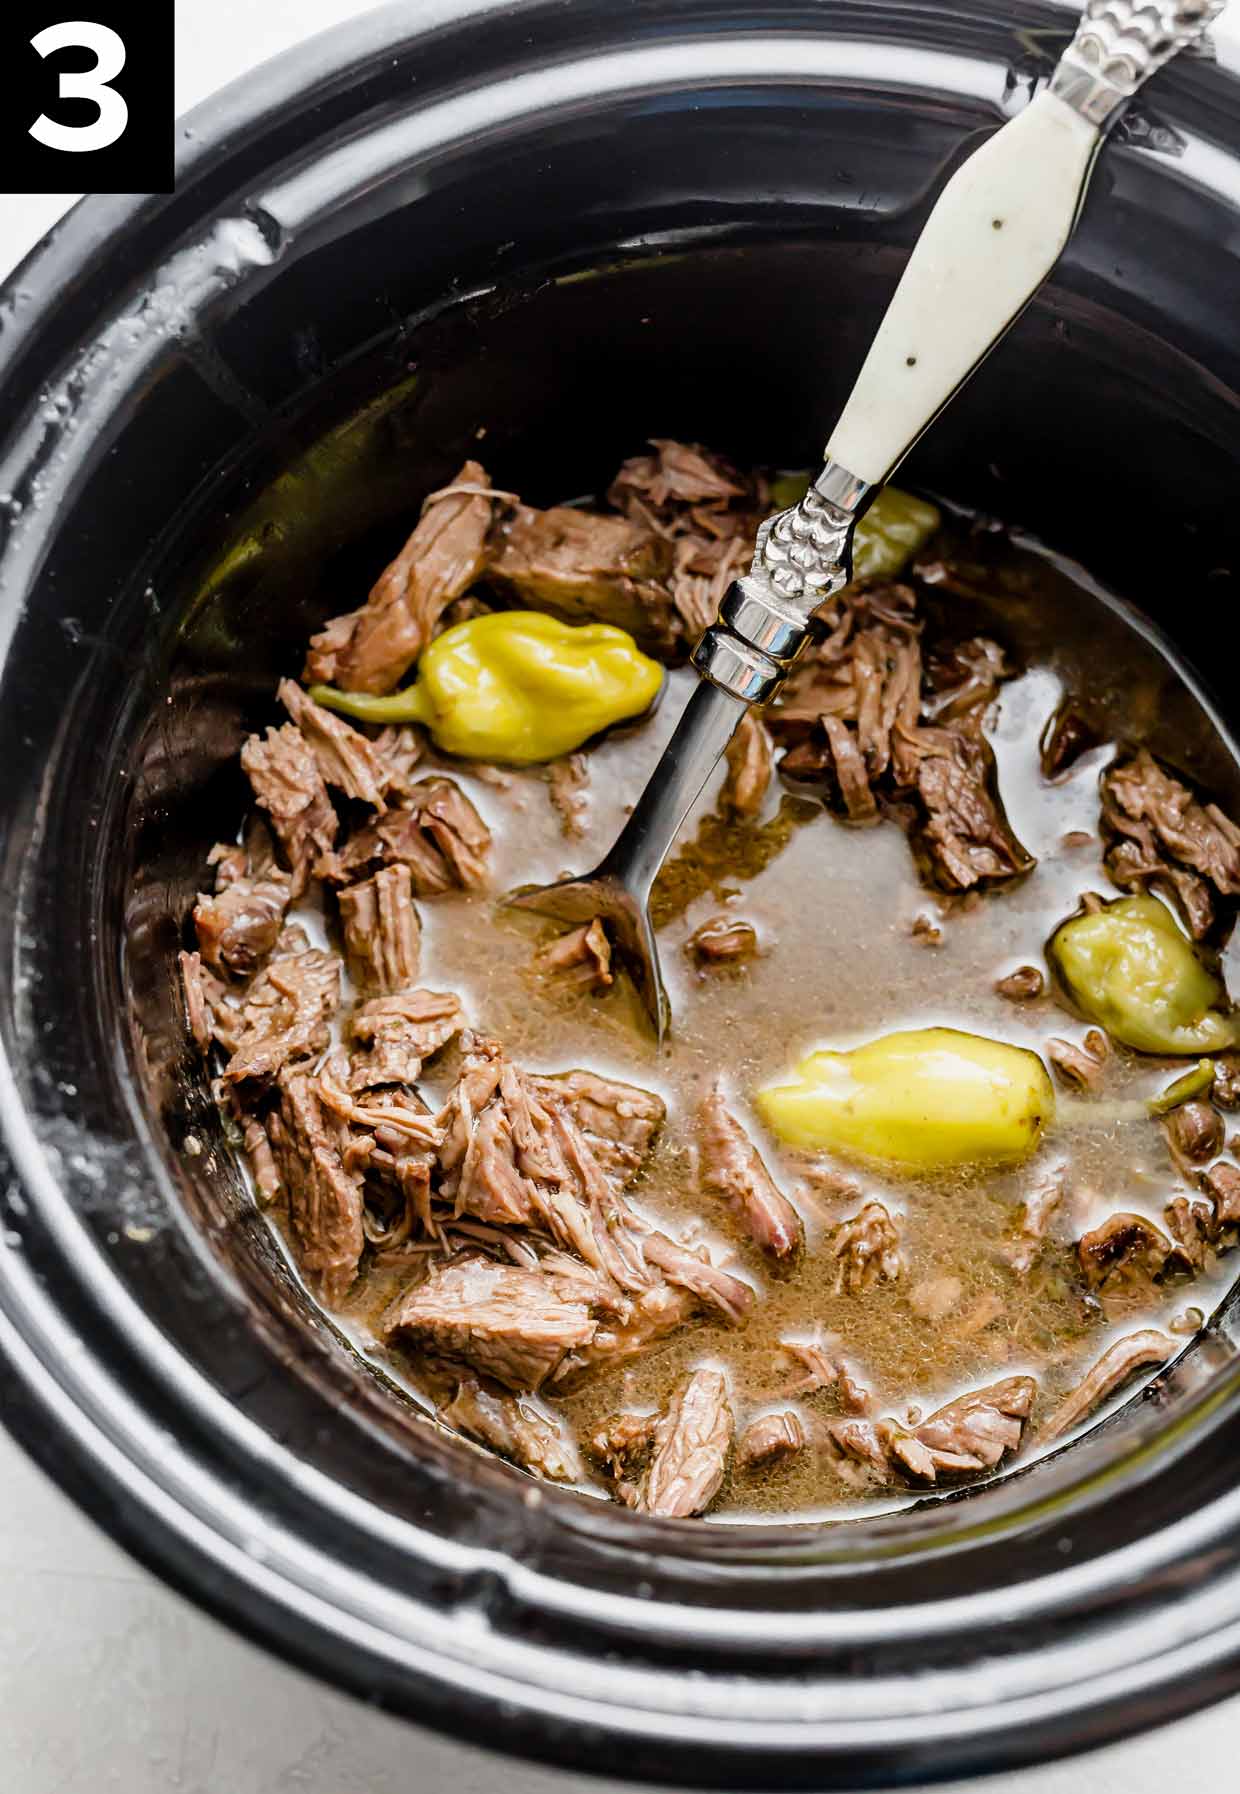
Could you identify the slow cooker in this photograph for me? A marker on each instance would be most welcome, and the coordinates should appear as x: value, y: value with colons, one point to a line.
x: 560, y: 226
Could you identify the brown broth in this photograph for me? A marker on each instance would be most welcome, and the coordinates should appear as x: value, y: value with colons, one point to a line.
x: 834, y: 906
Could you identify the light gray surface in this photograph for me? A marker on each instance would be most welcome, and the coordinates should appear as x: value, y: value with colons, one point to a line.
x: 109, y: 1681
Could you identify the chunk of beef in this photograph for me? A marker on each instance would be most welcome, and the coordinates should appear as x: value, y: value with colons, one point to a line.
x: 324, y: 1199
x: 1023, y: 985
x: 1037, y: 1213
x: 382, y: 933
x: 372, y: 648
x: 568, y: 781
x: 691, y: 1444
x: 731, y: 1168
x: 866, y: 1250
x: 1159, y: 835
x: 1194, y: 1133
x: 398, y: 1032
x: 723, y: 940
x: 1226, y: 1089
x: 971, y: 1434
x: 580, y: 959
x: 1123, y: 1244
x: 619, y: 1120
x: 770, y: 1440
x: 345, y: 757
x: 515, y: 1427
x: 1121, y: 1361
x: 238, y: 926
x: 1067, y: 735
x: 285, y: 1013
x: 509, y: 1323
x: 587, y: 567
x: 282, y: 768
x: 1079, y: 1067
x: 949, y: 772
x: 437, y: 833
x: 750, y: 757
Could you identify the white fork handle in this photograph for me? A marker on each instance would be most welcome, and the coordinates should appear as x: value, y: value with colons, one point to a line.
x: 996, y: 232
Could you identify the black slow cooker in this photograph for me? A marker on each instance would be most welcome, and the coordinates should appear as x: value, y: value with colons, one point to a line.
x: 567, y: 225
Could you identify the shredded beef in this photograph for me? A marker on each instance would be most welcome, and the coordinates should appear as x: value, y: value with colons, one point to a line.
x: 769, y: 1440
x: 1113, y: 1369
x: 587, y: 567
x: 866, y: 1250
x: 619, y: 1120
x: 853, y: 716
x: 282, y: 768
x: 345, y: 757
x: 655, y: 1315
x: 382, y: 933
x: 325, y: 1200
x: 971, y: 1434
x: 723, y: 940
x: 515, y: 1427
x: 692, y: 1439
x: 580, y: 959
x: 509, y: 1323
x: 750, y: 757
x: 1159, y: 835
x: 205, y: 1004
x: 398, y: 1033
x: 436, y: 832
x: 731, y: 1168
x: 372, y: 648
x: 267, y: 1180
x: 285, y: 1012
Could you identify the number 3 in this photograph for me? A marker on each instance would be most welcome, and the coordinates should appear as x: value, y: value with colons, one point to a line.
x: 84, y: 84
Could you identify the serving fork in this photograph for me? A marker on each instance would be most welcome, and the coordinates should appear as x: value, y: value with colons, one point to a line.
x: 996, y: 231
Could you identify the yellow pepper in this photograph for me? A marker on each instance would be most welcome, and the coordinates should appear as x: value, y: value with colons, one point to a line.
x: 516, y: 686
x: 921, y: 1098
x: 1130, y: 967
x: 888, y: 536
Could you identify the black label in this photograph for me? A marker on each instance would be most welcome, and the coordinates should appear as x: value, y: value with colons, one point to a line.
x: 86, y: 96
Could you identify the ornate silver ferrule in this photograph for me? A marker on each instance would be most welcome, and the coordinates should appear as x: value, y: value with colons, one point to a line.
x: 803, y: 556
x: 1119, y: 44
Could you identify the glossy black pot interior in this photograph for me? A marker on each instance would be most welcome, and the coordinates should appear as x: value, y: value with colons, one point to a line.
x: 579, y: 227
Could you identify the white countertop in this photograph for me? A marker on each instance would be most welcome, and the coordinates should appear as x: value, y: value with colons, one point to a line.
x: 110, y: 1682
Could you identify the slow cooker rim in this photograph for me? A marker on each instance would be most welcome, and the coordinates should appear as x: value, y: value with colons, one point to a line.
x: 10, y: 348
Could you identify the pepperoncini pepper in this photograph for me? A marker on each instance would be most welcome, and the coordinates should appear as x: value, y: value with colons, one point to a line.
x: 920, y: 1098
x: 1130, y: 967
x: 887, y: 537
x: 516, y: 686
